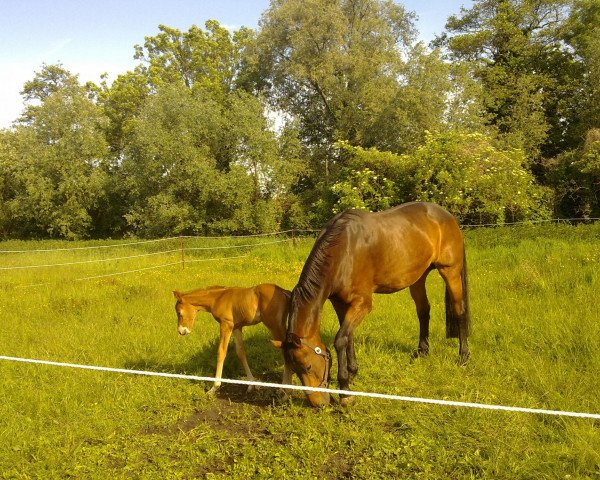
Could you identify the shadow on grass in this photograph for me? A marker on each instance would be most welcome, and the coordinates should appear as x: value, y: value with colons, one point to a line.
x: 265, y: 361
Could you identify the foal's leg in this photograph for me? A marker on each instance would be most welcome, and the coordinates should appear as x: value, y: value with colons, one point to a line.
x: 419, y: 296
x: 454, y: 284
x: 241, y: 353
x: 354, y: 315
x: 225, y: 334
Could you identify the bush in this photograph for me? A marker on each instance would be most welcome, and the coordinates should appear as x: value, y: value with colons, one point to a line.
x: 462, y: 172
x: 477, y: 182
x: 575, y: 177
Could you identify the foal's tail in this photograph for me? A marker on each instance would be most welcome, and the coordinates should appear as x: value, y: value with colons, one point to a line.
x: 452, y: 318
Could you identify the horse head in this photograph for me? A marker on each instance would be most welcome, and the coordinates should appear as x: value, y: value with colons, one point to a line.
x: 186, y: 314
x: 311, y: 361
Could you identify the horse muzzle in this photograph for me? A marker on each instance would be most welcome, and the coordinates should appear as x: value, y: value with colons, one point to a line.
x: 183, y: 330
x: 318, y: 399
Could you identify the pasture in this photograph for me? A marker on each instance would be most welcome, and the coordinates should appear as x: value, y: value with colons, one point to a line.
x: 535, y: 343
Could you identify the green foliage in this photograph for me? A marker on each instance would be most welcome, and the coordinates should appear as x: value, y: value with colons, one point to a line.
x: 326, y: 106
x: 122, y: 102
x: 476, y: 181
x: 55, y: 160
x: 371, y: 180
x: 575, y: 177
x: 463, y: 172
x: 582, y: 34
x: 339, y: 68
x: 363, y: 189
x: 515, y: 49
x: 196, y: 166
x: 199, y: 59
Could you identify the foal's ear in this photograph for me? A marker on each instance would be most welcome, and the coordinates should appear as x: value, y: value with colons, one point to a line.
x: 277, y: 343
x: 177, y: 294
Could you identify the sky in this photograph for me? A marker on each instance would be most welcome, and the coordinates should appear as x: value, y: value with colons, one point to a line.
x: 90, y: 37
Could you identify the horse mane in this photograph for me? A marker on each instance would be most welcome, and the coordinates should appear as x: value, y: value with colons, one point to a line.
x: 317, y: 262
x: 197, y: 291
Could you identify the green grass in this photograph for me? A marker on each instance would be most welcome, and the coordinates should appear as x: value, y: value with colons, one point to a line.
x: 535, y: 343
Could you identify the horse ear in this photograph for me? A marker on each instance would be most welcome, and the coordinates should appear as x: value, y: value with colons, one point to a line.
x: 177, y: 294
x: 277, y: 343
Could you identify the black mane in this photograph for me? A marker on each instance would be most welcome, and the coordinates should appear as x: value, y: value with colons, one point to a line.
x: 317, y: 263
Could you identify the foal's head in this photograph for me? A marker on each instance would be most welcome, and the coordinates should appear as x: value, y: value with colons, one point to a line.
x: 186, y: 314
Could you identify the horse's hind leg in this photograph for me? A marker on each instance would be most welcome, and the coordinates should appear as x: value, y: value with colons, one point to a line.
x: 241, y: 353
x: 419, y: 296
x: 457, y: 307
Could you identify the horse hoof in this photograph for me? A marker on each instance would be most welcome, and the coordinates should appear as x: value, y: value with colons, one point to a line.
x: 464, y: 358
x: 250, y: 389
x: 419, y: 354
x: 347, y: 401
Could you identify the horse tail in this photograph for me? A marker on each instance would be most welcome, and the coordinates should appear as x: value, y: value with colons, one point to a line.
x: 452, y: 319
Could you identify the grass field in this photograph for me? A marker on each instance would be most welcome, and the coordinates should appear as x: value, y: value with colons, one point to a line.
x: 535, y: 343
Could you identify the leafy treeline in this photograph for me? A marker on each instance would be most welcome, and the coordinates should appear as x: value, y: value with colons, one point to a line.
x: 329, y: 104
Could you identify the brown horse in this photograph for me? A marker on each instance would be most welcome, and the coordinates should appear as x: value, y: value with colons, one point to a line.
x: 235, y: 308
x: 358, y: 254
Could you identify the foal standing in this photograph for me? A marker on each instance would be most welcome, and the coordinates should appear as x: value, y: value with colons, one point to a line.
x: 235, y: 308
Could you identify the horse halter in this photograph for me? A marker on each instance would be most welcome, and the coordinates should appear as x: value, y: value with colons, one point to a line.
x: 326, y: 356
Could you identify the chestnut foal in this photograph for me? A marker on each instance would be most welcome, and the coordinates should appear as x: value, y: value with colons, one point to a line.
x: 235, y: 308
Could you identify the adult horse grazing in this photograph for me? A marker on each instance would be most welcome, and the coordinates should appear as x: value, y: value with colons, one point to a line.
x: 235, y: 308
x: 358, y: 254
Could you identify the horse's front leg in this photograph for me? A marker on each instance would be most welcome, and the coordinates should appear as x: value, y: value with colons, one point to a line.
x: 341, y: 309
x: 351, y: 358
x: 226, y: 327
x: 344, y: 343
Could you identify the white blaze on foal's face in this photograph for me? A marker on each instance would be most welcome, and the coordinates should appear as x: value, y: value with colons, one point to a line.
x: 186, y: 315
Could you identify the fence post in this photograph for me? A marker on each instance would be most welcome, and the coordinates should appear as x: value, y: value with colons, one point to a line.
x: 182, y: 254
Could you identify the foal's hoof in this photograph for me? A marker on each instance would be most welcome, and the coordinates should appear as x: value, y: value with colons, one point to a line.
x: 250, y: 389
x: 213, y: 391
x: 347, y: 401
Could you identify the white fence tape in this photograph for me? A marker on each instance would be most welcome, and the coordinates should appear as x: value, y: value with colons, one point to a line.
x: 531, y: 222
x: 383, y: 396
x: 165, y: 239
x: 153, y: 267
x: 164, y: 252
x: 82, y: 262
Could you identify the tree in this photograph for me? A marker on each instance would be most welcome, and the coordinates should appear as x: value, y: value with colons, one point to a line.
x: 516, y: 51
x: 199, y: 59
x: 55, y: 157
x: 49, y: 80
x: 348, y: 70
x: 334, y: 64
x: 465, y: 173
x: 122, y: 102
x: 581, y: 111
x: 575, y: 178
x: 195, y: 166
